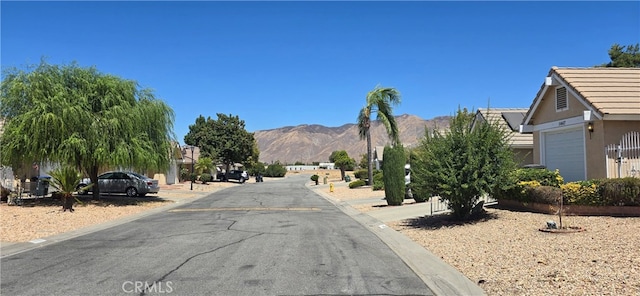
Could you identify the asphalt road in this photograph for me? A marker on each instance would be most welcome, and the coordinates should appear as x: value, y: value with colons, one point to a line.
x: 273, y: 238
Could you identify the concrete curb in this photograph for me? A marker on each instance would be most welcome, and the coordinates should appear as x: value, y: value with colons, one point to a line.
x: 439, y: 276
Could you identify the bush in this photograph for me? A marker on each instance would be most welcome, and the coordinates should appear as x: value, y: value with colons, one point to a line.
x: 462, y: 164
x: 620, y: 192
x: 194, y: 177
x: 394, y: 187
x: 204, y: 178
x: 184, y: 174
x: 419, y: 197
x: 361, y: 174
x: 543, y: 176
x: 315, y: 178
x: 275, y: 170
x: 582, y: 193
x: 357, y: 183
x: 522, y: 181
x: 544, y: 194
x: 378, y: 181
x: 258, y: 168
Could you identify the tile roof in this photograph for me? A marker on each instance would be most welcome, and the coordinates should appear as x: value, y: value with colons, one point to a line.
x: 510, y: 119
x: 609, y: 91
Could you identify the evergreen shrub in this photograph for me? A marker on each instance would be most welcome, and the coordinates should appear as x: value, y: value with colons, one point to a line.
x: 393, y: 177
x: 357, y: 183
x: 275, y: 170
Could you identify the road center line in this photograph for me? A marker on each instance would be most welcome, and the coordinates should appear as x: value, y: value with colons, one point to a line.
x: 244, y: 209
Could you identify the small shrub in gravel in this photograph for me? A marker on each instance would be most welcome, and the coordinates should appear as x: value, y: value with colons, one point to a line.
x: 204, y: 178
x: 361, y: 174
x: 357, y: 183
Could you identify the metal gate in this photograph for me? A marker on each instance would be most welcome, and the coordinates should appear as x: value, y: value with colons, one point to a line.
x: 623, y: 159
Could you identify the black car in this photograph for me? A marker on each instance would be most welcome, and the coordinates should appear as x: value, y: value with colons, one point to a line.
x: 238, y: 175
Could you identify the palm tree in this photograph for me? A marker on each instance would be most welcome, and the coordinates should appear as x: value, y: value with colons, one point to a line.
x: 204, y: 165
x: 380, y: 101
x: 66, y: 179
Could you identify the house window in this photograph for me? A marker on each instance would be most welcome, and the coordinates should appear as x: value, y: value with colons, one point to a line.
x: 561, y: 99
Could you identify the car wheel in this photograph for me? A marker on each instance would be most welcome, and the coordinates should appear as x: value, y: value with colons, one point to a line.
x: 241, y: 179
x: 79, y: 189
x: 132, y: 192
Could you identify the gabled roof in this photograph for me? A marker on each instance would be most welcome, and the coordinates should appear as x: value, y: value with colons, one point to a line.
x: 509, y: 119
x: 612, y: 93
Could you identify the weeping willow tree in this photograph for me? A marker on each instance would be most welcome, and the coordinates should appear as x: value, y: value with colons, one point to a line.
x: 77, y: 116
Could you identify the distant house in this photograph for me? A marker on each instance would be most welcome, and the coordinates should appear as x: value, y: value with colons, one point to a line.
x: 378, y: 153
x: 583, y: 119
x: 510, y: 119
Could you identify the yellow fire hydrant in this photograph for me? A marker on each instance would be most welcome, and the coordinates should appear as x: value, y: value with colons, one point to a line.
x: 330, y: 187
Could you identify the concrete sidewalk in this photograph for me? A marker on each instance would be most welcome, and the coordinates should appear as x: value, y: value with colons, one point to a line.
x: 439, y: 276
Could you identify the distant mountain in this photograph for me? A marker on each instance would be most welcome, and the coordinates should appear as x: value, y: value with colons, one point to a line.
x: 314, y: 143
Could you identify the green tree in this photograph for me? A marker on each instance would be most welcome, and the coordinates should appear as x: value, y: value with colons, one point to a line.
x: 342, y: 161
x: 624, y: 57
x: 78, y: 116
x: 393, y: 174
x: 462, y: 164
x: 225, y: 139
x: 275, y: 170
x: 380, y: 101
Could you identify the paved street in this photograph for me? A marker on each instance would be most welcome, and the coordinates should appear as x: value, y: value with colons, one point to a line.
x: 274, y: 238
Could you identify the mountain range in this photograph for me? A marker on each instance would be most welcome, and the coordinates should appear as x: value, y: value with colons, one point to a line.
x: 308, y: 143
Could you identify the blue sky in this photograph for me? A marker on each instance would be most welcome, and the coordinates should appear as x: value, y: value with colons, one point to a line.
x: 278, y: 64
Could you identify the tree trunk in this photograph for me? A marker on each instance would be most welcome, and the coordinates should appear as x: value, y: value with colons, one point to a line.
x: 369, y: 161
x: 67, y: 203
x: 342, y: 174
x: 93, y: 176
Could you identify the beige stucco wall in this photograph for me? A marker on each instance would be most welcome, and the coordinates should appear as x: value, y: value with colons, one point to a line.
x: 523, y: 156
x: 604, y: 132
x: 546, y: 111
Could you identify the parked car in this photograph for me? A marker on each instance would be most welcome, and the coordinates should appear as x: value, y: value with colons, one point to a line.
x: 130, y: 183
x: 239, y: 175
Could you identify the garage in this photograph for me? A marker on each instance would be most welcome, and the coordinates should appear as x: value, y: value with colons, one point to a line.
x: 564, y: 150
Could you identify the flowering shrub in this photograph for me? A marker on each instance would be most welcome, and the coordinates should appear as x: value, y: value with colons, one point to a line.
x: 524, y: 181
x: 582, y: 193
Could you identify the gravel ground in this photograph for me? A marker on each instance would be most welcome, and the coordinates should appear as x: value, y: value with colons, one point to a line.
x: 506, y: 254
x: 39, y: 218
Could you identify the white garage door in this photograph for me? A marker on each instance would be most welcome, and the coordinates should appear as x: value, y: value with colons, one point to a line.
x: 564, y: 150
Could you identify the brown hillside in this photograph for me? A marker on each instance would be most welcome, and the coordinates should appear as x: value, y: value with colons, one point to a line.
x: 309, y: 143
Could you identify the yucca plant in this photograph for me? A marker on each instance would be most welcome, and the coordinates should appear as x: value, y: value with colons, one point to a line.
x: 66, y: 179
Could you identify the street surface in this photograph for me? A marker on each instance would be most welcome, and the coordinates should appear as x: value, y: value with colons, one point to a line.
x: 271, y: 238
